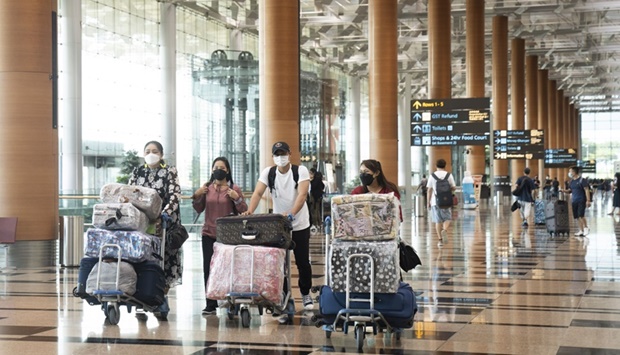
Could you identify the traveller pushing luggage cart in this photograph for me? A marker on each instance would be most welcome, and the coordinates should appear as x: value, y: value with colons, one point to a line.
x: 361, y: 246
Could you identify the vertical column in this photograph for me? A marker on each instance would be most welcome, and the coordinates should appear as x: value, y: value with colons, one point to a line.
x: 474, y: 61
x: 168, y: 60
x: 404, y: 144
x: 353, y: 135
x: 553, y: 122
x: 543, y: 116
x: 70, y: 97
x: 439, y: 67
x: 531, y: 107
x: 500, y: 83
x: 559, y: 127
x: 279, y: 76
x: 517, y: 97
x: 383, y: 80
x: 28, y: 138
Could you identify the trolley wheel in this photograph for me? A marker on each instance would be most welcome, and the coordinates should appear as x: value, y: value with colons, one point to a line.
x: 359, y: 336
x: 113, y: 314
x: 315, y: 289
x: 231, y: 314
x: 328, y: 334
x: 397, y: 335
x: 75, y: 293
x: 245, y: 318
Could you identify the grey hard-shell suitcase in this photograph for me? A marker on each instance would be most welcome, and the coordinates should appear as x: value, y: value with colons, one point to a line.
x: 556, y: 215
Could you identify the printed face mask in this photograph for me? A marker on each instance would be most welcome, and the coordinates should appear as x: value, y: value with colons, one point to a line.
x: 366, y: 179
x: 219, y: 174
x: 151, y: 159
x: 281, y: 160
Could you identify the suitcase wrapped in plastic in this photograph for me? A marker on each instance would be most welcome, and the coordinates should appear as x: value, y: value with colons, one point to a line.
x: 386, y: 266
x: 151, y: 283
x: 556, y: 217
x: 107, y: 277
x: 397, y: 308
x: 135, y: 246
x: 119, y: 216
x: 145, y: 199
x: 539, y: 213
x: 265, y: 276
x: 86, y: 266
x: 365, y: 217
x: 272, y: 230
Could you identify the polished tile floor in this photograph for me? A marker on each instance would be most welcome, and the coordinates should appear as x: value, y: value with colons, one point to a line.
x: 493, y: 288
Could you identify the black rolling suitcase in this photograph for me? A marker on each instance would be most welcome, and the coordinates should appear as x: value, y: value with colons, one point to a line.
x: 556, y: 217
x: 270, y: 230
x: 151, y: 283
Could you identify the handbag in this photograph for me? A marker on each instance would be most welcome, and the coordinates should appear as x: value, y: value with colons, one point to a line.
x: 517, y: 192
x: 176, y: 235
x: 409, y: 259
x: 515, y: 206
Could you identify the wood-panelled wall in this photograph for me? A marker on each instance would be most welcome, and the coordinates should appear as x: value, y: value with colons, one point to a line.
x: 28, y: 141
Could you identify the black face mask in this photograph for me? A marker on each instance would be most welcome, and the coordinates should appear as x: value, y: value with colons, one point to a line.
x: 366, y: 179
x: 219, y: 174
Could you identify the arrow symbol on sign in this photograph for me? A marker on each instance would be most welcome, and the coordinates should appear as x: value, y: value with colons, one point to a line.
x: 417, y: 128
x: 497, y: 133
x: 529, y: 156
x: 571, y: 151
x: 536, y: 140
x: 536, y: 133
x: 417, y: 105
x: 417, y: 117
x: 497, y: 140
x: 497, y: 147
x: 497, y: 155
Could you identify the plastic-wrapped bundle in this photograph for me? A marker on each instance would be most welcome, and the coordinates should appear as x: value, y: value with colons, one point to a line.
x: 386, y: 266
x: 119, y: 216
x: 267, y: 278
x: 365, y: 217
x: 145, y: 199
x: 136, y: 246
x: 127, y: 278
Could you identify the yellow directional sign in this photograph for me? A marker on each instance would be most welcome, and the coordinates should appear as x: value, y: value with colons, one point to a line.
x: 536, y: 133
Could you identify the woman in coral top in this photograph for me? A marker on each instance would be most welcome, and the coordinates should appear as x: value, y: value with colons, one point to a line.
x: 219, y: 197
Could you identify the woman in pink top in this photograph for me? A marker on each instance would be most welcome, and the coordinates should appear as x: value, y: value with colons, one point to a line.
x: 217, y: 198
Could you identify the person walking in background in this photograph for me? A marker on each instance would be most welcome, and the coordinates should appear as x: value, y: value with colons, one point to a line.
x: 289, y: 198
x: 579, y: 188
x: 315, y: 197
x: 526, y: 198
x: 156, y: 174
x: 441, y: 186
x: 219, y: 197
x: 616, y: 194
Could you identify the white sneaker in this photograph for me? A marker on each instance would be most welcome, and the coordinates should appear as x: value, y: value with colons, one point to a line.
x: 586, y: 231
x: 306, y: 300
x: 283, y: 318
x: 579, y: 234
x: 444, y: 235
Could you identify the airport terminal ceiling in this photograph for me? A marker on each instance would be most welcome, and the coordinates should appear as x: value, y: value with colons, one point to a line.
x: 577, y: 40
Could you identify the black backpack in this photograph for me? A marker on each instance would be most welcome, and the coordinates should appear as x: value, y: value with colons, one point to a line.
x: 271, y: 178
x: 443, y: 192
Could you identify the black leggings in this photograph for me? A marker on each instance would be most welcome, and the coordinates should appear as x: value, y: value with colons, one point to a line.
x: 207, y: 254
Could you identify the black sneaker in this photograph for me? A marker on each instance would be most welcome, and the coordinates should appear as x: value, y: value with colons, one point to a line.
x: 209, y: 310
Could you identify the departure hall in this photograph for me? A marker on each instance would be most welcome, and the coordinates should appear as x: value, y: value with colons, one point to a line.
x: 103, y: 94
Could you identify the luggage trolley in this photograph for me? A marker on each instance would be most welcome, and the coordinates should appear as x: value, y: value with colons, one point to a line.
x: 111, y: 300
x: 239, y: 303
x: 359, y: 318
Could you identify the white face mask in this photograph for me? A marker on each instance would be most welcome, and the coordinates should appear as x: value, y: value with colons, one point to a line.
x: 151, y: 159
x: 281, y: 160
x: 570, y: 175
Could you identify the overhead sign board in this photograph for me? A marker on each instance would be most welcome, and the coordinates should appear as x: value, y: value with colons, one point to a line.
x: 587, y: 166
x: 560, y: 158
x: 518, y: 144
x: 450, y: 122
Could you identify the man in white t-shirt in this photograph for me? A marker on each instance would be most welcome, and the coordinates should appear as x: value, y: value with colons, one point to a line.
x: 289, y: 199
x: 440, y: 216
